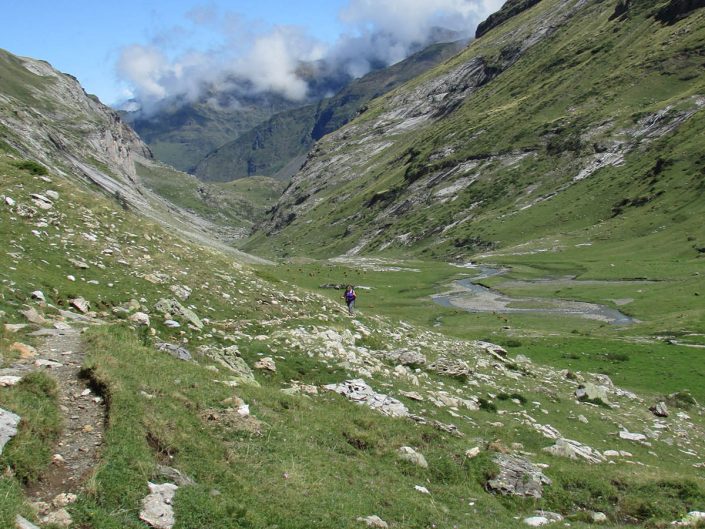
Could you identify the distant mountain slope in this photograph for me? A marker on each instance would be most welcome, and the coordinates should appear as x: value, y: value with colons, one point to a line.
x: 571, y: 118
x: 274, y: 146
x: 181, y: 133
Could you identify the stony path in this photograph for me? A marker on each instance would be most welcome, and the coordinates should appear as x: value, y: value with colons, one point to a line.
x: 77, y: 451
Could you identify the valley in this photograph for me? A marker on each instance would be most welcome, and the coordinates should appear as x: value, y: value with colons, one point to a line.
x: 521, y: 219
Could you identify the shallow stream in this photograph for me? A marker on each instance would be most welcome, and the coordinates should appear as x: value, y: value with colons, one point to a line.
x: 467, y: 294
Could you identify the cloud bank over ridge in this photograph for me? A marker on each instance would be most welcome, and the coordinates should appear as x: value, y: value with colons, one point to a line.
x: 248, y: 57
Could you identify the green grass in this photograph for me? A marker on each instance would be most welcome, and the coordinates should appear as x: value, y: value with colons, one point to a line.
x: 35, y: 400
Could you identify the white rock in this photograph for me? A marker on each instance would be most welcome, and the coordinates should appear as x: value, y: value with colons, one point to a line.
x: 630, y: 436
x: 38, y: 295
x: 54, y: 195
x: 9, y: 380
x: 71, y: 278
x: 473, y: 452
x: 8, y: 427
x: 9, y: 201
x: 691, y: 519
x: 64, y: 499
x: 157, y: 509
x: 140, y: 318
x: 406, y: 453
x: 172, y: 324
x: 267, y: 364
x: 374, y: 521
x: 421, y: 489
x: 47, y: 363
x: 61, y: 518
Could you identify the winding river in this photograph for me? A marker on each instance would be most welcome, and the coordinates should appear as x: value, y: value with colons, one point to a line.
x: 467, y: 294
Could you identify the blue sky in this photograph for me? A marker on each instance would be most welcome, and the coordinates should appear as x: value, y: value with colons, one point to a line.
x: 152, y: 49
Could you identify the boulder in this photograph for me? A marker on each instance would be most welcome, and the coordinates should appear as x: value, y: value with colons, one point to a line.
x: 266, y: 364
x: 406, y: 453
x: 517, y: 477
x: 659, y: 409
x: 171, y: 306
x: 592, y: 393
x: 451, y: 367
x: 574, y: 450
x: 80, y: 305
x: 181, y: 291
x: 8, y: 427
x: 630, y: 436
x: 157, y: 509
x: 38, y: 295
x: 140, y: 318
x: 543, y: 518
x: 174, y: 350
x: 359, y: 391
x: 405, y: 357
x: 374, y: 521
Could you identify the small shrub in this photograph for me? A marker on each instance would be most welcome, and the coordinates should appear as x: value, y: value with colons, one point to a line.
x: 32, y: 167
x: 487, y: 405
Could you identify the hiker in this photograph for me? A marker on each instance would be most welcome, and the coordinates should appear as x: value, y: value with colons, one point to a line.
x: 349, y: 298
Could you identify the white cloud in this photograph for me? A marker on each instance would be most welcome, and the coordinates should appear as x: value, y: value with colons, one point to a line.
x: 266, y: 58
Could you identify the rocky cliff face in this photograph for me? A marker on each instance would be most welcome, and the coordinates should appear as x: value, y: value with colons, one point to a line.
x: 551, y: 96
x: 47, y: 117
x: 54, y: 121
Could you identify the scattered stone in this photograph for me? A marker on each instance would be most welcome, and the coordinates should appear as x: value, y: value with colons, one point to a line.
x: 26, y: 351
x: 171, y: 306
x: 8, y: 427
x: 574, y: 450
x: 358, y: 391
x: 41, y: 201
x: 473, y: 452
x: 58, y: 459
x: 413, y: 395
x: 54, y: 195
x: 406, y: 453
x: 34, y: 317
x: 517, y: 477
x: 451, y: 367
x: 60, y: 518
x: 174, y: 350
x: 297, y: 387
x: 38, y: 295
x: 10, y: 201
x: 629, y: 436
x: 692, y: 519
x: 659, y: 409
x: 64, y: 499
x: 22, y: 523
x: 79, y: 264
x: 140, y: 318
x: 49, y: 364
x: 9, y: 380
x: 157, y: 510
x: 543, y: 518
x: 598, y: 517
x: 80, y: 304
x: 592, y: 393
x: 230, y: 358
x: 15, y: 327
x: 181, y: 291
x: 616, y: 453
x: 374, y: 521
x: 406, y: 357
x: 172, y: 324
x: 267, y: 364
x: 174, y: 475
x: 421, y: 489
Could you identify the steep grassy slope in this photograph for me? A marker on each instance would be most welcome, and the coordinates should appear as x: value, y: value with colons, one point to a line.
x: 565, y: 123
x: 277, y: 146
